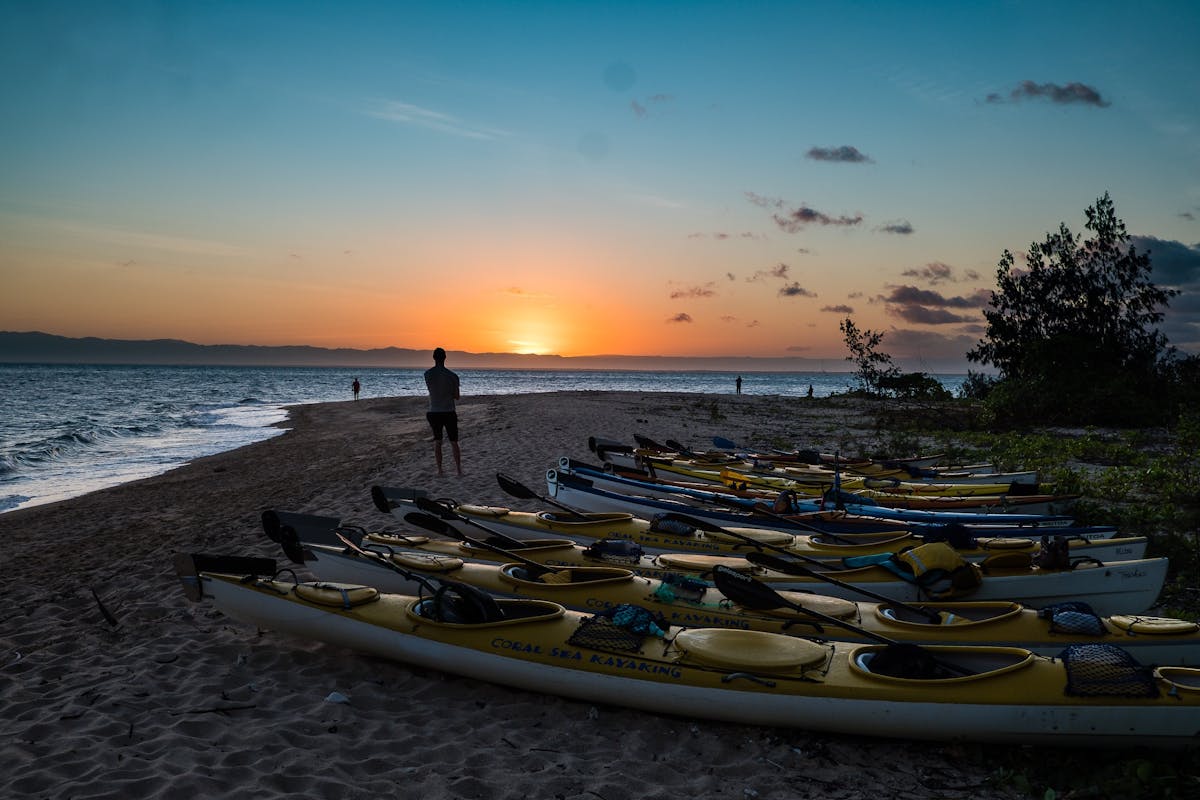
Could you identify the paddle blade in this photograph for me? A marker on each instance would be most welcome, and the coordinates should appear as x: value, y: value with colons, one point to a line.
x: 386, y: 498
x: 307, y: 527
x: 782, y: 564
x: 430, y: 523
x: 437, y: 509
x: 515, y: 488
x: 290, y: 542
x: 695, y: 522
x: 745, y: 591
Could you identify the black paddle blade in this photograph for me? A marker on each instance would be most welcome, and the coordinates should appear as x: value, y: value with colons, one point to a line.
x: 782, y: 564
x: 290, y: 542
x: 188, y: 567
x: 514, y: 487
x: 306, y: 527
x: 430, y: 523
x: 440, y: 510
x: 695, y: 522
x: 745, y: 591
x: 386, y: 498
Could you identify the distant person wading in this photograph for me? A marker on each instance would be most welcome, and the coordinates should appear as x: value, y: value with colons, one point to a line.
x: 443, y: 391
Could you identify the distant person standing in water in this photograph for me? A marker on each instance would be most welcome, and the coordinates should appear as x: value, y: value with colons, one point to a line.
x: 739, y: 384
x: 356, y: 386
x: 443, y: 391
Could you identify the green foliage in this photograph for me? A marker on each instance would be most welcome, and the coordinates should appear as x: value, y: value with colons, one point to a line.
x: 873, y: 366
x: 1078, y: 322
x: 977, y: 386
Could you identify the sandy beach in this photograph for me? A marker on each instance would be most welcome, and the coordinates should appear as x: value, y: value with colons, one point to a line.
x: 113, y: 685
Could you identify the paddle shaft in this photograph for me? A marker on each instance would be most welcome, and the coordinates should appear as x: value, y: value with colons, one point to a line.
x: 812, y: 573
x: 430, y: 522
x: 522, y: 492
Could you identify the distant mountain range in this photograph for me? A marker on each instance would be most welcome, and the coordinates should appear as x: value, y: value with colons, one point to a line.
x: 45, y: 348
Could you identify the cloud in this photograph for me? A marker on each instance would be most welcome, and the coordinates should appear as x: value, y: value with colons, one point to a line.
x: 794, y: 289
x: 1064, y: 95
x: 764, y: 202
x: 640, y: 111
x: 680, y: 317
x: 933, y: 272
x: 927, y: 297
x: 780, y: 270
x: 752, y: 323
x: 838, y: 309
x: 1189, y: 216
x: 518, y: 292
x: 900, y: 226
x: 706, y: 290
x: 799, y: 218
x: 408, y: 114
x: 844, y: 154
x: 927, y: 307
x: 1174, y: 263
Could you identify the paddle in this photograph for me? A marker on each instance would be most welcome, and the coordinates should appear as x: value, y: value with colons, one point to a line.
x: 442, y: 512
x: 437, y: 525
x: 780, y: 565
x: 746, y: 591
x: 379, y: 558
x: 522, y: 492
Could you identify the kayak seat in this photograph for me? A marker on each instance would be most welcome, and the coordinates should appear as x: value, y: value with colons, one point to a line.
x: 460, y: 604
x: 343, y: 595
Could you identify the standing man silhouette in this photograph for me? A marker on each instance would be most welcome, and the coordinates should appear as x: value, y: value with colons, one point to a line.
x: 355, y: 387
x: 739, y: 384
x: 443, y: 391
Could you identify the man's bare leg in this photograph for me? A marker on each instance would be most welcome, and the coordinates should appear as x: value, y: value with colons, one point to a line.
x: 457, y: 459
x: 437, y: 455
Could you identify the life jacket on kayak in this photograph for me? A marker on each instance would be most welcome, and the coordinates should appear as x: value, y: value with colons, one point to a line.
x: 936, y: 567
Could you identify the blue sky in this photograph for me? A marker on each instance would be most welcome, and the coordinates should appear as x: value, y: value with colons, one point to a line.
x: 579, y: 178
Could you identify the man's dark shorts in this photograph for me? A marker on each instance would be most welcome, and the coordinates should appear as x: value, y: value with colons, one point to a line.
x: 443, y: 419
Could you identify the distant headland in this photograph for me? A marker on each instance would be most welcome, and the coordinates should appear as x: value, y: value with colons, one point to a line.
x: 45, y: 348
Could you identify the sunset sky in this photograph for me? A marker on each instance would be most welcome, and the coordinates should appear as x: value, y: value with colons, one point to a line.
x: 684, y: 178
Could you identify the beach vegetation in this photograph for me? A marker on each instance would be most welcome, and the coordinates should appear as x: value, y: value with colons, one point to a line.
x: 1073, y: 333
x: 877, y: 375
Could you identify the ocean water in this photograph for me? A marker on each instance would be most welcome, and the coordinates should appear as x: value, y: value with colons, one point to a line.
x: 69, y: 430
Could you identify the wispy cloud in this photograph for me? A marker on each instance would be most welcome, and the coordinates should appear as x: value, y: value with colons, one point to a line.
x: 522, y: 294
x: 780, y: 270
x: 844, y: 154
x: 415, y: 116
x: 793, y: 220
x: 641, y: 110
x: 794, y: 289
x: 707, y: 290
x: 902, y: 227
x: 682, y: 316
x: 838, y: 309
x: 936, y: 272
x: 135, y: 240
x: 1072, y: 93
x: 799, y: 218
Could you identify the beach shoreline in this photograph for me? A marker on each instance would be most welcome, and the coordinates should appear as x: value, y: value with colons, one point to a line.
x: 114, y: 685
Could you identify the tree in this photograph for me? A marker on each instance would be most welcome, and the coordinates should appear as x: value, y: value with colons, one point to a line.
x: 1073, y: 335
x: 873, y: 367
